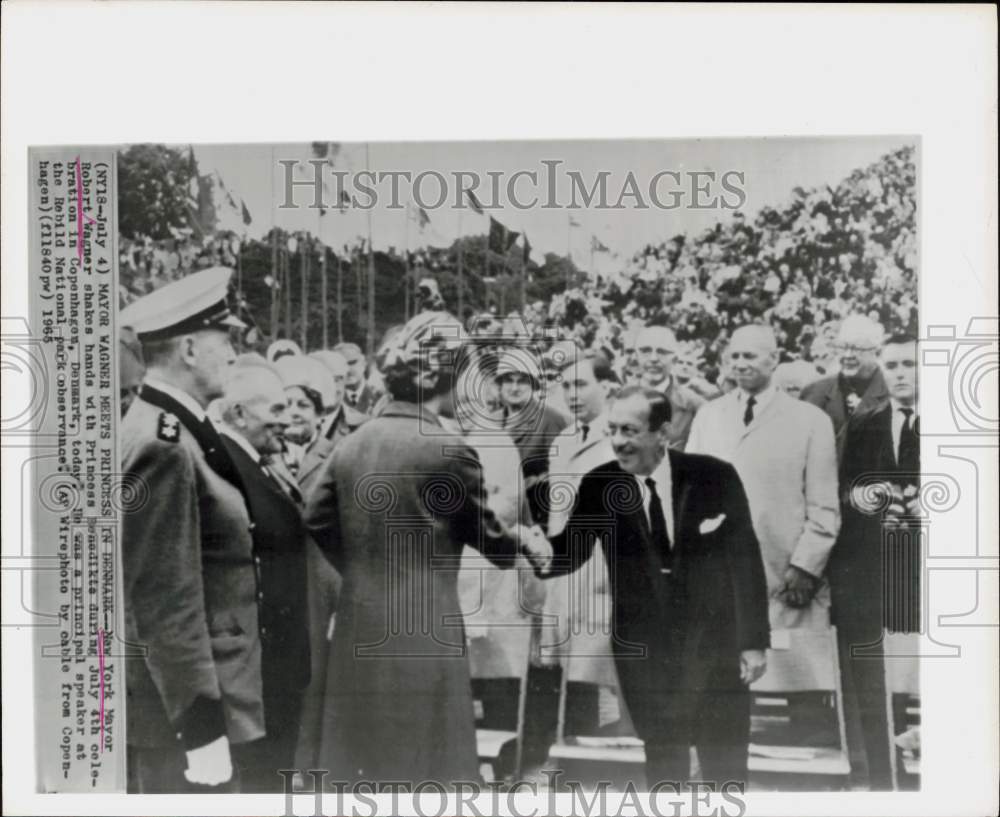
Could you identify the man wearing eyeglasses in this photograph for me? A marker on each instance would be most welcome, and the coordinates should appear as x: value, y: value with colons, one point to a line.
x: 859, y: 386
x: 656, y: 349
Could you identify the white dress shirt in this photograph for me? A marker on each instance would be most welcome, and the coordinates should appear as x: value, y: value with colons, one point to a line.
x: 179, y: 395
x: 662, y: 478
x: 898, y: 418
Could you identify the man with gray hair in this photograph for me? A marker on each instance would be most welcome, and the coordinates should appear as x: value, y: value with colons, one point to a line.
x: 859, y: 386
x: 254, y: 414
x: 783, y: 450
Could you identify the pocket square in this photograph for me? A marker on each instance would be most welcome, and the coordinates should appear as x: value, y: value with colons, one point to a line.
x: 709, y: 525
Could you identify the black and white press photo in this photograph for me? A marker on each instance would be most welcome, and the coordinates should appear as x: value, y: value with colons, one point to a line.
x: 565, y: 409
x: 525, y: 464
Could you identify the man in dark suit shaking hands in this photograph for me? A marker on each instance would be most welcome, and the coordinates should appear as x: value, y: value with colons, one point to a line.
x: 689, y: 598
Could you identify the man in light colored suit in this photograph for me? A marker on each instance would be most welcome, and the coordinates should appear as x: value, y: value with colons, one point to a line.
x: 784, y: 452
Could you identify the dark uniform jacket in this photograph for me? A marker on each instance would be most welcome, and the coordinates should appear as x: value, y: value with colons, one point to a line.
x: 190, y: 583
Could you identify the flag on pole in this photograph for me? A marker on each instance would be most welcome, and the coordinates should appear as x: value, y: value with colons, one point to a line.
x: 501, y: 239
x: 574, y: 223
x: 526, y: 255
x: 229, y: 196
x: 477, y: 207
x: 247, y: 218
x: 420, y: 216
x: 596, y: 245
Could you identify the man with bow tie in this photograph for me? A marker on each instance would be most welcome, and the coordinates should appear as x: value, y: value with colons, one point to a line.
x: 689, y: 624
x: 785, y: 453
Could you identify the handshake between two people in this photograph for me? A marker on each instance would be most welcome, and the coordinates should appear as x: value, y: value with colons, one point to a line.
x: 533, y: 543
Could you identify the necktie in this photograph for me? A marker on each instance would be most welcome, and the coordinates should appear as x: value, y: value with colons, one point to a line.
x: 908, y: 455
x: 748, y: 414
x: 657, y: 521
x: 584, y: 431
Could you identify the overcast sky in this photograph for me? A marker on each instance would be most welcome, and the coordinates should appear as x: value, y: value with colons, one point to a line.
x: 771, y: 168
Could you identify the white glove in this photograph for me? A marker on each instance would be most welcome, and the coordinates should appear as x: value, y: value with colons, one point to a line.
x: 210, y: 764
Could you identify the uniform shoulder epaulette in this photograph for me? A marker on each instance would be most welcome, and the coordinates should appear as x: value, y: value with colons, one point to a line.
x: 168, y: 428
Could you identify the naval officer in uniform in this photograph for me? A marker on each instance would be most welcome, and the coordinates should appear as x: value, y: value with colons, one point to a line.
x: 191, y: 584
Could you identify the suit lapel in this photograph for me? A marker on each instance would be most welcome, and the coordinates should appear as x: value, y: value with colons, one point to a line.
x: 835, y: 404
x: 875, y: 393
x: 314, y: 457
x: 636, y: 524
x: 680, y: 492
x: 883, y: 423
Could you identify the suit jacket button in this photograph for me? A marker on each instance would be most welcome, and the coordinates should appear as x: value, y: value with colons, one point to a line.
x: 252, y: 526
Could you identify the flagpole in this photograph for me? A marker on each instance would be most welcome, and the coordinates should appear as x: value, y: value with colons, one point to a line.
x: 304, y: 269
x: 356, y: 266
x: 340, y: 297
x: 322, y: 280
x: 569, y: 251
x: 288, y: 291
x: 371, y: 272
x: 406, y: 263
x: 524, y: 275
x: 461, y: 253
x: 323, y: 295
x: 274, y: 260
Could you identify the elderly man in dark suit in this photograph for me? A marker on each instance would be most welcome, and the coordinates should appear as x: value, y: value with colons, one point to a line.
x: 396, y: 503
x: 254, y: 414
x: 875, y: 566
x: 859, y: 386
x: 189, y: 578
x: 689, y: 601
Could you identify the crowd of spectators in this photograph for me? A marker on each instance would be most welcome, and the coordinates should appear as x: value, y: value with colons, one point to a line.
x: 802, y: 267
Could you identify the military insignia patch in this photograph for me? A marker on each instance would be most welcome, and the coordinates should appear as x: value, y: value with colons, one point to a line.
x: 169, y: 428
